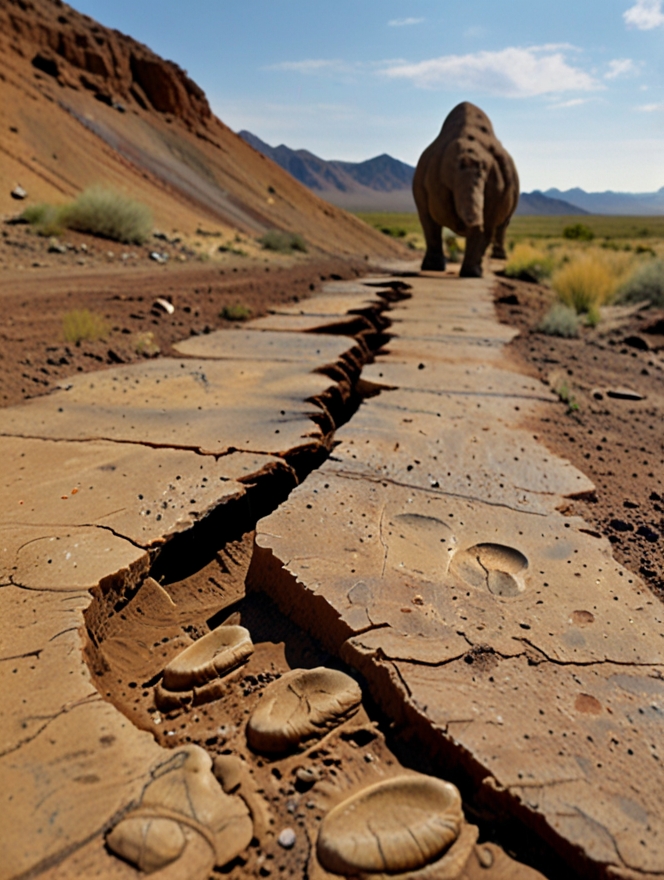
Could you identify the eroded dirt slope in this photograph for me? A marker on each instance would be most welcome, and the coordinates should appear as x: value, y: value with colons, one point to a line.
x: 81, y: 104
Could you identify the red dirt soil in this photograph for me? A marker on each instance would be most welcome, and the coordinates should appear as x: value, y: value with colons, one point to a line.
x: 618, y: 443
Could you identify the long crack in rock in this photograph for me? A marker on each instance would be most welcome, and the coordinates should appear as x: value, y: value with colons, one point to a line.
x: 513, y: 646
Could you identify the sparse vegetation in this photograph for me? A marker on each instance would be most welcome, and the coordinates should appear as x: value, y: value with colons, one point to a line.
x: 282, y: 242
x: 584, y: 283
x: 109, y: 214
x: 99, y: 211
x: 81, y: 325
x: 645, y: 283
x: 145, y: 344
x: 564, y: 393
x: 560, y: 320
x: 578, y: 232
x: 528, y: 263
x: 237, y: 312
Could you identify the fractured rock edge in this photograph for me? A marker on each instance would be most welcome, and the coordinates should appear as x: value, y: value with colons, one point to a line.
x: 55, y: 613
x: 421, y: 682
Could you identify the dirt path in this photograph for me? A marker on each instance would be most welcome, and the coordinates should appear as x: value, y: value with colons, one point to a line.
x: 34, y: 355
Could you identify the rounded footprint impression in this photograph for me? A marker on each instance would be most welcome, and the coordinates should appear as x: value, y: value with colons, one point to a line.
x: 303, y: 703
x: 398, y: 825
x: 208, y: 658
x: 185, y: 824
x: 193, y: 676
x: 499, y: 568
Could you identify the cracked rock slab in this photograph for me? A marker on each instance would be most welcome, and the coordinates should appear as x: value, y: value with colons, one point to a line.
x: 429, y: 552
x: 208, y: 406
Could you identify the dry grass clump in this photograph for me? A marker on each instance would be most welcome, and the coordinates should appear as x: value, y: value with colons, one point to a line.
x: 560, y: 320
x: 80, y: 325
x: 109, y: 214
x: 585, y: 283
x: 236, y: 312
x: 646, y: 283
x: 99, y: 211
x: 529, y: 263
x: 146, y: 345
x: 282, y: 242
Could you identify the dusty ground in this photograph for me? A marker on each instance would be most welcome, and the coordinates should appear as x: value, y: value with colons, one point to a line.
x: 120, y: 283
x: 618, y: 443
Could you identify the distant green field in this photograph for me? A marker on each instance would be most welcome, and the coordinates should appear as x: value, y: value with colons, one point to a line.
x: 604, y: 226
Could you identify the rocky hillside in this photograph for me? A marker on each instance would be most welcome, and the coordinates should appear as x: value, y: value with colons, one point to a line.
x: 81, y: 104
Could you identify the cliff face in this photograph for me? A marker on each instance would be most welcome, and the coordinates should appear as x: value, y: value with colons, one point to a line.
x: 116, y: 69
x: 81, y: 104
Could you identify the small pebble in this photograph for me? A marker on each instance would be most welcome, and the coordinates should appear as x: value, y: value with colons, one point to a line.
x: 287, y: 838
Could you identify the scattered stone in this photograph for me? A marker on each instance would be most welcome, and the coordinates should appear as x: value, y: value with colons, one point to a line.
x: 158, y: 258
x: 164, y: 305
x: 624, y: 394
x: 56, y: 247
x: 287, y: 838
x: 302, y: 704
x: 19, y: 193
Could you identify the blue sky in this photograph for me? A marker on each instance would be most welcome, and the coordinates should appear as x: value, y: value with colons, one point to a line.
x: 575, y: 88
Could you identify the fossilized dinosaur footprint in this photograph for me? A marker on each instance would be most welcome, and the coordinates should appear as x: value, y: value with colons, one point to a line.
x: 191, y: 676
x: 302, y: 704
x: 183, y: 817
x: 407, y: 826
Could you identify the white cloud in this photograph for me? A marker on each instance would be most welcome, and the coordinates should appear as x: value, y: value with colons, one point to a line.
x: 651, y: 108
x: 620, y: 67
x: 513, y: 72
x: 645, y: 15
x: 403, y: 22
x: 314, y: 65
x: 574, y: 102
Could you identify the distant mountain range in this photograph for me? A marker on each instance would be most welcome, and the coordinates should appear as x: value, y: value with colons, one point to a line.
x: 384, y: 184
x: 612, y: 202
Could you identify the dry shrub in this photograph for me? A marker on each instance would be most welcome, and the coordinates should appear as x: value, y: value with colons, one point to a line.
x: 528, y: 263
x: 145, y: 344
x: 109, y: 214
x: 81, y: 325
x: 282, y: 242
x: 236, y: 312
x: 646, y: 283
x: 560, y: 320
x: 585, y: 283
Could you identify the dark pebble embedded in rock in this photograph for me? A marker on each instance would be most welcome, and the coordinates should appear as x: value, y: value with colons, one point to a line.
x: 621, y: 526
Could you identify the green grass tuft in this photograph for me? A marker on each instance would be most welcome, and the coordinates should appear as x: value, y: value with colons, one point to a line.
x: 237, y: 312
x: 109, y: 214
x: 80, y: 325
x: 98, y: 211
x: 282, y: 242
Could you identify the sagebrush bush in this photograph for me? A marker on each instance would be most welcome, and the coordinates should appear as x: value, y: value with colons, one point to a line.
x: 282, y: 242
x: 584, y: 283
x: 645, y: 283
x: 109, y: 214
x: 100, y: 211
x: 47, y: 219
x: 528, y: 263
x: 80, y: 325
x: 560, y: 320
x: 578, y: 232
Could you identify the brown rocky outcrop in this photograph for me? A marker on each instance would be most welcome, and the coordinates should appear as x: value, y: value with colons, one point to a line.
x: 79, y: 52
